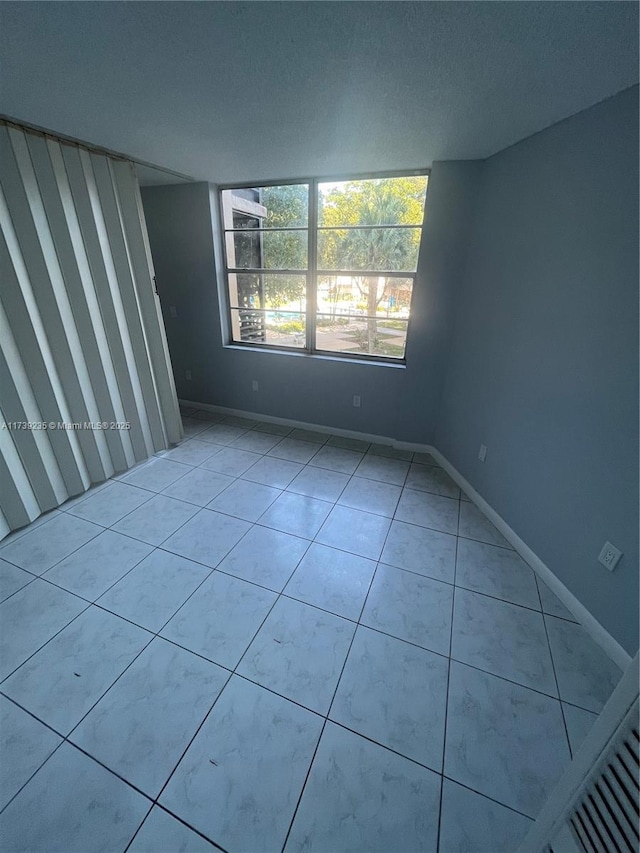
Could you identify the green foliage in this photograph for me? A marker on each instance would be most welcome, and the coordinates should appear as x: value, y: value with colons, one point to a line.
x: 287, y: 207
x: 289, y: 327
x: 384, y: 201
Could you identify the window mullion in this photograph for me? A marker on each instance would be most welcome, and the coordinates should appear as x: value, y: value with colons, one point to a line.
x: 312, y: 277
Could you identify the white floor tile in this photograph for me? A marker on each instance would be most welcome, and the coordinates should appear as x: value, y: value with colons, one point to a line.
x: 156, y: 474
x: 274, y: 429
x: 428, y: 510
x: 193, y: 427
x: 266, y: 557
x: 337, y: 459
x: 296, y: 514
x: 41, y: 519
x: 410, y: 607
x: 190, y: 452
x: 579, y: 723
x: 72, y: 804
x: 319, y: 483
x: 552, y: 605
x: 396, y: 694
x: 44, y: 546
x: 240, y: 779
x: 12, y: 579
x: 502, y: 638
x: 503, y: 740
x: 371, y: 496
x: 333, y: 580
x: 472, y: 823
x: 231, y: 461
x: 418, y: 549
x: 207, y: 537
x: 391, y: 452
x: 143, y: 724
x: 92, y: 569
x: 586, y: 676
x: 272, y: 472
x: 64, y: 679
x: 198, y: 487
x: 294, y: 450
x: 26, y: 745
x: 237, y: 421
x: 222, y: 433
x: 474, y: 525
x: 246, y: 500
x: 151, y: 593
x: 220, y: 620
x: 365, y: 799
x: 382, y: 468
x: 299, y: 653
x: 310, y: 435
x: 499, y: 572
x: 156, y: 519
x: 347, y: 443
x: 257, y: 442
x: 30, y: 618
x: 111, y: 504
x: 424, y: 459
x: 428, y: 478
x: 352, y: 530
x: 208, y: 580
x: 161, y: 831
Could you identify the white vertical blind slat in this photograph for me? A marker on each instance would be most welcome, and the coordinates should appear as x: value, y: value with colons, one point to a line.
x: 81, y: 337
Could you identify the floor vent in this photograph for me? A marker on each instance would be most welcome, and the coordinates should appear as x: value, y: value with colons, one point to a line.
x: 605, y: 815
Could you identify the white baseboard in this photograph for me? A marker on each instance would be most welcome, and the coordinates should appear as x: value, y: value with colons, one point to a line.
x: 269, y: 419
x: 591, y: 625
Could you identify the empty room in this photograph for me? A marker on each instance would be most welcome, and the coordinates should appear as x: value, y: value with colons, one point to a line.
x: 319, y: 427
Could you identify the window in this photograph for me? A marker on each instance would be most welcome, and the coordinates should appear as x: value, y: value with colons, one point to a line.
x: 324, y: 266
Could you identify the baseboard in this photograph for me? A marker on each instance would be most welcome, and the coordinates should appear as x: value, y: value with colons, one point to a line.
x: 269, y: 419
x: 591, y: 625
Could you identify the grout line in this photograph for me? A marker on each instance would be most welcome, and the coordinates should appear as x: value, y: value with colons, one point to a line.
x: 278, y: 595
x: 446, y: 702
x: 555, y: 678
x: 326, y: 718
x: 180, y: 820
x: 144, y: 820
x: 41, y: 765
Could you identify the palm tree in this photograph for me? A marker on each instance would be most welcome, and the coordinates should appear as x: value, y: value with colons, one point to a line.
x: 383, y: 249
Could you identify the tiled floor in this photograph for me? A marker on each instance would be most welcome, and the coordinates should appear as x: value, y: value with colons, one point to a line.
x: 274, y: 639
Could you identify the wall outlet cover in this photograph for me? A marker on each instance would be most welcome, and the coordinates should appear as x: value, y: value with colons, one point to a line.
x: 356, y: 401
x: 609, y: 556
x: 187, y: 375
x: 482, y: 453
x: 255, y: 385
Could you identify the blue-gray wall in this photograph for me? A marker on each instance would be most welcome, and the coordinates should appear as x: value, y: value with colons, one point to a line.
x: 544, y: 359
x: 524, y: 336
x: 397, y: 402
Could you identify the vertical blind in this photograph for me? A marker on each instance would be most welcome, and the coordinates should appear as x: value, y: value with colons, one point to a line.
x: 86, y: 386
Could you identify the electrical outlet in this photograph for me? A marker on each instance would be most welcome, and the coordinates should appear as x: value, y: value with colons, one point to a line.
x: 173, y: 311
x: 356, y: 401
x: 609, y: 556
x: 255, y: 385
x: 187, y: 375
x: 482, y: 453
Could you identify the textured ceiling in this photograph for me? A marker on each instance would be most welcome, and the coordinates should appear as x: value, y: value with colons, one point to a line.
x: 260, y: 90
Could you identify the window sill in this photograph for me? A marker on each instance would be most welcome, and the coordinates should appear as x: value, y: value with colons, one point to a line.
x: 319, y: 356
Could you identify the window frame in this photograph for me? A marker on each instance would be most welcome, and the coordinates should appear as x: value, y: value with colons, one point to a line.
x: 312, y: 273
